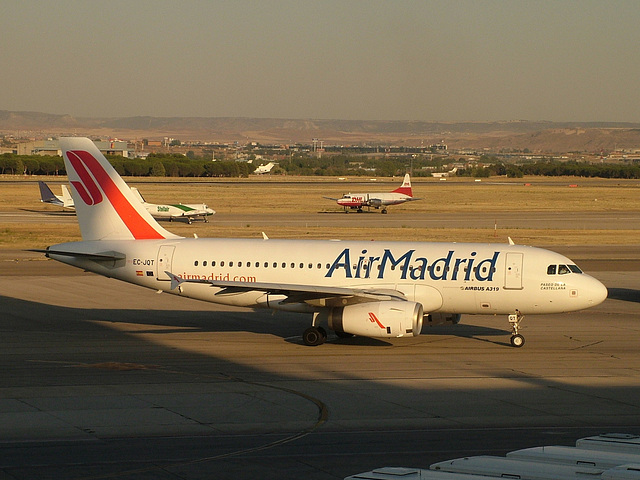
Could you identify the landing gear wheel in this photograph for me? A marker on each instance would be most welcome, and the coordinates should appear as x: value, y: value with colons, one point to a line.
x: 517, y: 341
x: 384, y: 210
x: 313, y: 336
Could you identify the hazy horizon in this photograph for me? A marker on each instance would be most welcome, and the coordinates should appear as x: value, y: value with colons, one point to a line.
x: 432, y: 61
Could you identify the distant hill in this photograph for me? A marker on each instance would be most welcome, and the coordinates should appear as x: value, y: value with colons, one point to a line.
x: 536, y: 136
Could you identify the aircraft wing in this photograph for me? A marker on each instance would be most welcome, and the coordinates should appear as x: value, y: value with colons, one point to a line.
x: 297, y: 293
x: 331, y: 198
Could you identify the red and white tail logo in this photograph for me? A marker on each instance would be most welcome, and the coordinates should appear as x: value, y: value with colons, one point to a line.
x: 86, y: 187
x: 405, y: 189
x: 105, y: 206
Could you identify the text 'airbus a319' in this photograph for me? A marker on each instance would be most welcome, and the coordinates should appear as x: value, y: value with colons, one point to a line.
x: 373, y: 289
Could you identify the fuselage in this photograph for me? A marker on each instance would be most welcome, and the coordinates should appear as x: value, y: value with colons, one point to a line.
x: 460, y: 278
x: 355, y: 200
x: 179, y: 210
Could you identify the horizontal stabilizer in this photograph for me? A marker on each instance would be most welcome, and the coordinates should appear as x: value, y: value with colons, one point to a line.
x: 96, y: 257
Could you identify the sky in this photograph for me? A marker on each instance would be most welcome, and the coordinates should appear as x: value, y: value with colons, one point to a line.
x: 423, y: 60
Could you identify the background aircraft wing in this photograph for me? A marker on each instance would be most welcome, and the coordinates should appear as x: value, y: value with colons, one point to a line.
x: 297, y: 293
x: 331, y: 198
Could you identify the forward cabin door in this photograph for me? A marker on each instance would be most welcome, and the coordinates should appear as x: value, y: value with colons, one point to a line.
x: 165, y: 259
x: 513, y: 271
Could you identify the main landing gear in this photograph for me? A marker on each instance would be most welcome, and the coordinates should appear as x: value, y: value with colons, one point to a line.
x: 313, y: 336
x: 517, y: 340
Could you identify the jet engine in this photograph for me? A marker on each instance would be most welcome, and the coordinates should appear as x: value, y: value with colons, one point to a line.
x: 440, y: 318
x: 389, y: 318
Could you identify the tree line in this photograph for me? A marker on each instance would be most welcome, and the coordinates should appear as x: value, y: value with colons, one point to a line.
x: 551, y: 168
x: 177, y: 165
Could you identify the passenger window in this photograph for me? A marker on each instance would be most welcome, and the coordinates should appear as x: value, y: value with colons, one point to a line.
x: 293, y: 265
x: 204, y: 264
x: 231, y: 264
x: 563, y: 270
x: 257, y: 264
x: 319, y: 266
x: 284, y: 265
x: 311, y: 265
x: 239, y: 264
x: 302, y: 265
x: 195, y: 264
x: 213, y: 263
x: 266, y: 264
x: 275, y: 265
x: 222, y: 263
x: 551, y: 270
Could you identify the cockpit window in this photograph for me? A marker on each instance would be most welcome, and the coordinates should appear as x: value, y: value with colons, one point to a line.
x: 562, y: 269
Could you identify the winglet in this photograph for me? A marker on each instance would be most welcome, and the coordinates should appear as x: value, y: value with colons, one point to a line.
x: 175, y: 280
x: 511, y: 242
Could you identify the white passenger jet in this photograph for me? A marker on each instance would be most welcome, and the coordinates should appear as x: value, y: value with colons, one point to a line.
x: 374, y: 289
x: 262, y: 169
x: 355, y: 201
x: 47, y: 196
x: 178, y: 211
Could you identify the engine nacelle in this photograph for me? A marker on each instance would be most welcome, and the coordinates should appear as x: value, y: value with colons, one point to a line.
x: 440, y: 318
x: 389, y: 318
x: 375, y: 202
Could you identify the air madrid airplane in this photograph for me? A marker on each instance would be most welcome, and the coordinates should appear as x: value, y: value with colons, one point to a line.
x: 373, y: 289
x: 178, y: 211
x: 355, y: 201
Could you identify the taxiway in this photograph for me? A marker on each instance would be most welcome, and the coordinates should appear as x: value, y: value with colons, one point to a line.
x: 100, y: 379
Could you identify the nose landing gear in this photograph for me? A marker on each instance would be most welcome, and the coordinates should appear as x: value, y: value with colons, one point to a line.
x: 517, y: 340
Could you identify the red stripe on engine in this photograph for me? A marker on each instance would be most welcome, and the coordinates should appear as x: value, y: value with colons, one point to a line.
x: 374, y: 319
x: 138, y: 226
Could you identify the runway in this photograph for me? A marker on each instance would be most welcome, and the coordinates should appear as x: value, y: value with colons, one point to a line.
x: 101, y: 379
x: 554, y: 220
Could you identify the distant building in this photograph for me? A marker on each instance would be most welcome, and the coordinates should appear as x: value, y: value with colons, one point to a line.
x: 52, y: 147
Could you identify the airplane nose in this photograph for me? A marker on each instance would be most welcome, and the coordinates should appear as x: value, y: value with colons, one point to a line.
x: 597, y: 292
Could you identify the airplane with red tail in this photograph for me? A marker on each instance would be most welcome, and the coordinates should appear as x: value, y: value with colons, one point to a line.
x: 356, y: 201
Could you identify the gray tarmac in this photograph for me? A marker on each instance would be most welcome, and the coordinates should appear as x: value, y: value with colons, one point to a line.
x: 101, y: 379
x: 396, y: 218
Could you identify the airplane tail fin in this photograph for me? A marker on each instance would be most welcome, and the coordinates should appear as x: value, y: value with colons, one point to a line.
x: 106, y: 207
x: 137, y: 194
x: 46, y: 195
x: 405, y: 188
x: 66, y: 196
